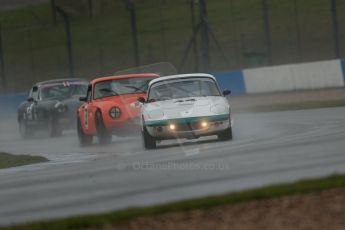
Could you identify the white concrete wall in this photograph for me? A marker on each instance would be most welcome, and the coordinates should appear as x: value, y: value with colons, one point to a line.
x: 315, y: 75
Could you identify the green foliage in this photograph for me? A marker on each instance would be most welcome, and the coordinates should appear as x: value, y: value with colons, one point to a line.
x: 9, y: 160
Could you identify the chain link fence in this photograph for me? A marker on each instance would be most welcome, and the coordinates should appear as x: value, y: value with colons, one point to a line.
x: 34, y: 45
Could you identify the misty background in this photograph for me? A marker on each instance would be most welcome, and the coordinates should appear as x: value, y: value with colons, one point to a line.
x: 47, y: 39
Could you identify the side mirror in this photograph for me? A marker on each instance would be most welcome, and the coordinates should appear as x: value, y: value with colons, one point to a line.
x: 30, y: 99
x: 141, y: 100
x: 226, y: 92
x: 84, y: 99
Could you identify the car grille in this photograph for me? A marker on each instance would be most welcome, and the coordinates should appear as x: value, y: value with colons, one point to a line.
x: 189, y: 126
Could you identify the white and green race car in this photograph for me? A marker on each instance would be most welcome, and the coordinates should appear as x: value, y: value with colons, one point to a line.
x: 184, y: 106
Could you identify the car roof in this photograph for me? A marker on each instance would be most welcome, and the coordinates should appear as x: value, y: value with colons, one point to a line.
x: 124, y: 76
x: 56, y: 81
x: 181, y: 76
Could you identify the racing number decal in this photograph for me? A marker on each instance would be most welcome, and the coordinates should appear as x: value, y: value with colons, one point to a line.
x: 29, y: 111
x: 86, y: 120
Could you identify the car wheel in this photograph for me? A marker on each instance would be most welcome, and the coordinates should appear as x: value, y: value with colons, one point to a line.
x: 84, y: 139
x: 149, y: 141
x: 54, y: 128
x: 104, y: 136
x: 225, y: 135
x: 24, y: 130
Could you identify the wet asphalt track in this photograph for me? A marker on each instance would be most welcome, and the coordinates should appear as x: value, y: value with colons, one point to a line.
x: 267, y: 148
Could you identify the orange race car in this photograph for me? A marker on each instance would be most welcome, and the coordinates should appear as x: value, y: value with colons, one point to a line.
x: 111, y: 107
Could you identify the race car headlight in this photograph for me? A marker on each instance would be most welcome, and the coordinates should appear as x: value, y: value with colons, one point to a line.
x: 115, y: 112
x: 204, y: 124
x: 219, y: 109
x: 172, y: 127
x: 156, y: 114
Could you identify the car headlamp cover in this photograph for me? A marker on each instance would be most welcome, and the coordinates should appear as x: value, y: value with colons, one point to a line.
x: 156, y: 114
x: 219, y: 109
x: 115, y: 112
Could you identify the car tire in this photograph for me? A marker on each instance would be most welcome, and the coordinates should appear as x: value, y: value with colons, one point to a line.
x: 104, y: 136
x: 148, y: 140
x: 54, y: 128
x: 24, y: 129
x: 84, y: 139
x: 225, y: 135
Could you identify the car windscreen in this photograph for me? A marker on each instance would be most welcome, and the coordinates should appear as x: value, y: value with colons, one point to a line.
x: 183, y: 89
x: 121, y: 86
x: 62, y: 90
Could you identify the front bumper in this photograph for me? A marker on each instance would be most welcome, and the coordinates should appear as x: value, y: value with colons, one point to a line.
x: 189, y: 128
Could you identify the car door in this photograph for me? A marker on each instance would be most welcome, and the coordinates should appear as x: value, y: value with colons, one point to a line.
x: 42, y: 108
x: 84, y: 118
x: 87, y: 113
x: 31, y: 106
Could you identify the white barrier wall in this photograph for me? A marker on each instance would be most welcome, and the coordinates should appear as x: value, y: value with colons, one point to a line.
x: 316, y: 75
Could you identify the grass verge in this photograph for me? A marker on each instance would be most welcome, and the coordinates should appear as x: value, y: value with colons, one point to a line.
x: 8, y: 160
x: 273, y: 191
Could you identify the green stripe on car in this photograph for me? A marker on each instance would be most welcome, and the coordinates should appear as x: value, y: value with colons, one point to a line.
x: 221, y: 117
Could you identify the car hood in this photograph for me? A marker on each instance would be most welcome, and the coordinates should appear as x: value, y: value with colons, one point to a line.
x: 128, y: 104
x: 186, y: 107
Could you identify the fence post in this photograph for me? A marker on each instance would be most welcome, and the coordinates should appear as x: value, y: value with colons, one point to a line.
x: 68, y: 40
x: 53, y: 6
x: 90, y: 6
x: 162, y: 27
x: 205, y: 49
x: 335, y: 28
x: 32, y: 56
x: 195, y: 45
x: 2, y: 64
x: 133, y: 15
x: 298, y: 31
x: 267, y: 31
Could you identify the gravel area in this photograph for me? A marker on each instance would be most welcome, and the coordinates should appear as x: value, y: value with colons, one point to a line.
x: 317, y: 211
x: 254, y: 100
